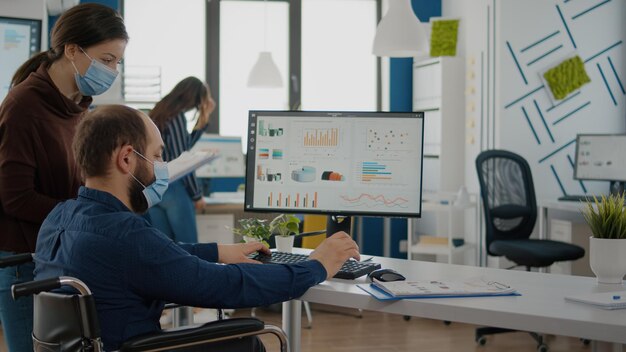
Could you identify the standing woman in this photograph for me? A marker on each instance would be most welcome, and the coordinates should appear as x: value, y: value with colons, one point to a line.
x: 175, y: 215
x: 49, y: 94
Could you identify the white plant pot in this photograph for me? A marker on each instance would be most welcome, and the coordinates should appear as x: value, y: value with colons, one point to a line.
x: 284, y: 244
x: 607, y: 258
x: 249, y: 239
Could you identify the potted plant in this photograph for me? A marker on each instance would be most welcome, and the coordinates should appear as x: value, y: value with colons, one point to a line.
x: 285, y: 227
x: 607, y: 245
x: 253, y: 230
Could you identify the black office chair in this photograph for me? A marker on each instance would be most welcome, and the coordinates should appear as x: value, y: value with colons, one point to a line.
x: 70, y: 322
x: 509, y: 203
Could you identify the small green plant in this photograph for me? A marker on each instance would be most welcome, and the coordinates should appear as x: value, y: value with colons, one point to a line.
x: 609, y: 220
x: 285, y: 225
x: 254, y: 228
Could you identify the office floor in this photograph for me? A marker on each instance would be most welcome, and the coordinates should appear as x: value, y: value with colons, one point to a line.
x: 380, y: 332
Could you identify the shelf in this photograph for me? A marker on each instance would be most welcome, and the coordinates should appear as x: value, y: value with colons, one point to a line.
x: 434, y: 249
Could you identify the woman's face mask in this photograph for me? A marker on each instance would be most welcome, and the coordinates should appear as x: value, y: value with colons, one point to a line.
x: 97, y: 79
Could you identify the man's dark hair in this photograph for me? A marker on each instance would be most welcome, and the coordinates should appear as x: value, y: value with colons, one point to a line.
x: 102, y: 131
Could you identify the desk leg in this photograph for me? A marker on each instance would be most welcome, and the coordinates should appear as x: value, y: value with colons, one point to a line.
x: 543, y: 222
x: 292, y: 315
x: 599, y: 346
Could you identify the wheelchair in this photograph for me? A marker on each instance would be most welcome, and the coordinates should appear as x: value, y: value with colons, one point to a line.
x: 69, y: 322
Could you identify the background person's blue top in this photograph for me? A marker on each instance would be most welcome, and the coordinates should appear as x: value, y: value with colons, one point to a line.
x: 132, y: 268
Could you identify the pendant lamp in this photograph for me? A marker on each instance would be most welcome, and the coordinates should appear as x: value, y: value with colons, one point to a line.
x: 400, y: 33
x: 265, y: 73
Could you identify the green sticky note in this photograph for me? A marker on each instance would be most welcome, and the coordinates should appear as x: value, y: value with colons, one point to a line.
x: 443, y: 37
x: 566, y: 77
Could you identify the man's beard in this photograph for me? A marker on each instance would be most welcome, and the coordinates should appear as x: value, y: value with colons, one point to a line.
x: 138, y: 202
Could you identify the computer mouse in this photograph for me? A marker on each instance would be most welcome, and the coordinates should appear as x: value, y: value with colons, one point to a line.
x: 386, y: 275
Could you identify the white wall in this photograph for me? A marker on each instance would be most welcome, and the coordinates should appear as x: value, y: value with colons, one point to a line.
x: 500, y: 91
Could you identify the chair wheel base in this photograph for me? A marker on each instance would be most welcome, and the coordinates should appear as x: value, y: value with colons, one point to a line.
x: 481, y: 340
x: 542, y: 348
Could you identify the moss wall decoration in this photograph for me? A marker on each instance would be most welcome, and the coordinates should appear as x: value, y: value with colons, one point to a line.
x: 443, y: 37
x: 566, y: 77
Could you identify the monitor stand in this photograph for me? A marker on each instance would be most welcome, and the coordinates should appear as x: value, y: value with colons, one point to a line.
x: 616, y: 188
x: 336, y: 223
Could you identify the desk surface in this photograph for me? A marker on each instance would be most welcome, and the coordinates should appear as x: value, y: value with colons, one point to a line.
x: 541, y: 307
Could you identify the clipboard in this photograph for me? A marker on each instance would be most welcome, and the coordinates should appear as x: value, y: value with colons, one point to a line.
x: 477, y: 287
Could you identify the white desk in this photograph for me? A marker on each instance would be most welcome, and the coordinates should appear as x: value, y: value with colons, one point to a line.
x: 541, y: 307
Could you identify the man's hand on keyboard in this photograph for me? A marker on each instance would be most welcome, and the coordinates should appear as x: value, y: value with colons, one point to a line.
x: 238, y: 253
x: 334, y: 251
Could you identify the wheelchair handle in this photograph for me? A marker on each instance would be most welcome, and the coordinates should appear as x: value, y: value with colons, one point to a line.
x: 35, y: 287
x: 16, y: 260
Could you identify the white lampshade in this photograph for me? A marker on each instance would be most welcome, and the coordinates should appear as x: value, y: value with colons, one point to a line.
x: 265, y: 73
x: 400, y: 33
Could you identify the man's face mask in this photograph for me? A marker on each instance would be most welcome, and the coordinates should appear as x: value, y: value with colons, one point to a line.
x: 153, y: 193
x: 97, y: 79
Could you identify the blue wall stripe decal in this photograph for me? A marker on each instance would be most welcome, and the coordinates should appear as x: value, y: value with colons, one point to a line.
x: 558, y: 180
x: 544, y: 121
x: 606, y: 84
x: 516, y: 62
x: 603, y: 51
x: 557, y: 150
x: 590, y: 9
x: 540, y: 40
x: 544, y: 55
x: 532, y: 128
x: 566, y: 27
x: 571, y: 162
x: 571, y: 113
x: 621, y: 86
x: 524, y: 97
x: 562, y: 101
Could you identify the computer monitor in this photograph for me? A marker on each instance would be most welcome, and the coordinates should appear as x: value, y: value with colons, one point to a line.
x: 335, y: 163
x: 231, y: 160
x: 600, y: 157
x: 20, y: 39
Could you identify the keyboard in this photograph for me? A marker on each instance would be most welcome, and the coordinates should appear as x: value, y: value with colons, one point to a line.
x: 350, y: 270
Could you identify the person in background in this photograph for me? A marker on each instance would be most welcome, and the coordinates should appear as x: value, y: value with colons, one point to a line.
x: 49, y: 95
x: 175, y: 215
x: 133, y: 268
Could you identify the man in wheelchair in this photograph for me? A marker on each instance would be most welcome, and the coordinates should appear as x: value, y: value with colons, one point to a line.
x: 131, y: 267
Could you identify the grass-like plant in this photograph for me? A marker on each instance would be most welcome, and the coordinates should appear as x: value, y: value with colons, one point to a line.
x: 609, y: 219
x: 285, y: 225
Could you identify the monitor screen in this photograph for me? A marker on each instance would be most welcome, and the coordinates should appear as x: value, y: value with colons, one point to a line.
x: 600, y: 157
x: 20, y: 39
x: 344, y: 163
x: 230, y: 162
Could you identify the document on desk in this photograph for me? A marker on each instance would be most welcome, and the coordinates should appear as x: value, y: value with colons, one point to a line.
x: 475, y: 287
x: 605, y: 300
x: 187, y: 162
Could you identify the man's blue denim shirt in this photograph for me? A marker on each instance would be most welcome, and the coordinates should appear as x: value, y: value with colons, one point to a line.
x: 133, y: 269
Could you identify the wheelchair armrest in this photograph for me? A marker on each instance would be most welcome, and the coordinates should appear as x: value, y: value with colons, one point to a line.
x: 15, y: 260
x: 216, y: 330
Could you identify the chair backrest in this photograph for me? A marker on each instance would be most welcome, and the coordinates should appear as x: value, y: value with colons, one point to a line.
x: 508, y: 195
x: 65, y: 322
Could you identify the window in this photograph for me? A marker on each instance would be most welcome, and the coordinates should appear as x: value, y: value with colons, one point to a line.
x: 339, y: 71
x: 247, y: 28
x: 165, y: 37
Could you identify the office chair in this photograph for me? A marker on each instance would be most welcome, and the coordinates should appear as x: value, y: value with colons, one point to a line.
x: 70, y: 323
x: 509, y: 204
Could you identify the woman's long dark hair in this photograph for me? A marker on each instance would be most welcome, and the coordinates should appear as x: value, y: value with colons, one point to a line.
x: 84, y: 25
x: 187, y: 94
